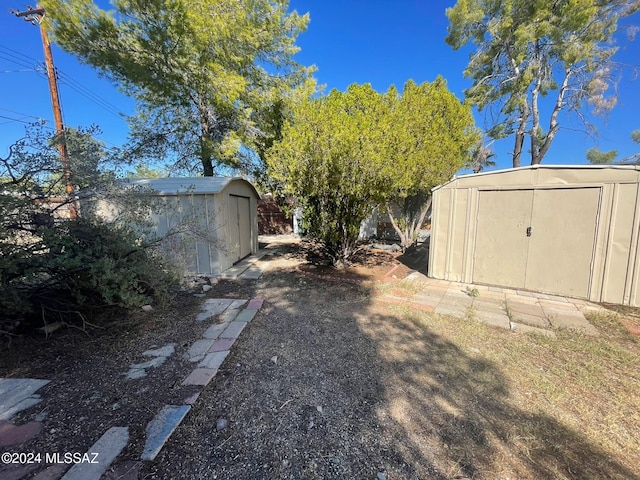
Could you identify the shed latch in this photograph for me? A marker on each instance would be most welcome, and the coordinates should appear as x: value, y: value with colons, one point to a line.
x: 528, y: 231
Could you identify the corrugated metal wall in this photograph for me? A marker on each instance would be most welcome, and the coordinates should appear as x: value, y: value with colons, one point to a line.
x: 204, y: 234
x: 562, y: 230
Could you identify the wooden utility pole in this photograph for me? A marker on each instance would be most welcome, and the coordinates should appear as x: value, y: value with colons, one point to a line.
x: 35, y: 16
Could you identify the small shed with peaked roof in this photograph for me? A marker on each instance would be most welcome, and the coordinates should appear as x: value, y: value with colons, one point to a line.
x: 565, y: 230
x: 214, y: 218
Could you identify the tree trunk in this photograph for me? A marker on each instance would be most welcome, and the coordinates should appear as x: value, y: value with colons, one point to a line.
x: 205, y: 157
x: 520, y: 133
x: 412, y: 225
x: 553, y: 122
x: 205, y: 140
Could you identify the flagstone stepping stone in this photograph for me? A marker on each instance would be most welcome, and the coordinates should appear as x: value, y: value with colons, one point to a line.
x: 213, y: 307
x: 159, y: 356
x: 107, y: 448
x: 161, y: 427
x: 17, y: 394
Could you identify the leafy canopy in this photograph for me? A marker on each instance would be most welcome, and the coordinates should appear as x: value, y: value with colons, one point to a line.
x: 348, y: 152
x: 328, y: 158
x: 528, y: 49
x: 201, y: 70
x: 431, y: 136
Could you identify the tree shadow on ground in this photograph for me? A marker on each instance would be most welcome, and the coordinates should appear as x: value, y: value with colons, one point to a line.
x: 326, y: 383
x: 451, y: 409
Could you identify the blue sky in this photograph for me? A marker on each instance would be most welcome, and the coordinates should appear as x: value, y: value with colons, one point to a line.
x: 350, y: 41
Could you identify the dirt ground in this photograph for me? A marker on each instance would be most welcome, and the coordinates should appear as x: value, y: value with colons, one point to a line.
x: 328, y: 382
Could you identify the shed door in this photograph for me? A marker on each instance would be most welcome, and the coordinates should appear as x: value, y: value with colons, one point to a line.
x: 563, y: 232
x: 540, y: 240
x: 240, y: 226
x: 501, y: 246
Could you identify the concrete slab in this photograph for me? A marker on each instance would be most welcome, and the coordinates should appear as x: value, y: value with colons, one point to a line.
x: 239, y: 268
x: 221, y: 345
x: 17, y: 394
x: 213, y: 360
x: 136, y: 373
x: 491, y: 295
x: 213, y: 307
x: 246, y: 315
x: 524, y: 293
x: 255, y: 304
x: 191, y: 399
x: 237, y: 304
x: 494, y: 319
x: 489, y: 303
x: 161, y: 427
x: 451, y: 310
x: 527, y: 308
x: 254, y: 272
x: 533, y: 320
x: 214, y: 331
x: 108, y: 447
x: 565, y: 312
x: 558, y: 305
x: 457, y: 300
x: 200, y: 376
x: 233, y: 330
x: 28, y: 402
x: 160, y: 355
x: 558, y: 298
x: 416, y: 276
x: 199, y: 349
x: 229, y: 315
x: 514, y: 297
x: 570, y: 320
x: 522, y: 328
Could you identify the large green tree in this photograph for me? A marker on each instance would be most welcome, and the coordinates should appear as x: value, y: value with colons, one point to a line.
x: 328, y: 159
x: 431, y: 136
x: 201, y: 71
x: 529, y: 49
x: 347, y: 153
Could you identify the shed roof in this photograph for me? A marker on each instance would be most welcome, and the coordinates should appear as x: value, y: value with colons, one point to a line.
x: 546, y: 174
x: 192, y: 185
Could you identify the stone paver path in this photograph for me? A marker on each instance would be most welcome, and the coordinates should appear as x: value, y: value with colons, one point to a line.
x: 17, y: 394
x: 100, y: 455
x: 516, y: 310
x: 158, y: 357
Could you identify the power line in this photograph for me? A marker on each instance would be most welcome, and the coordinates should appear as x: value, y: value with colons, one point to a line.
x: 24, y: 121
x: 89, y: 94
x: 23, y: 114
x: 16, y: 60
x: 16, y: 52
x: 16, y: 57
x: 18, y: 71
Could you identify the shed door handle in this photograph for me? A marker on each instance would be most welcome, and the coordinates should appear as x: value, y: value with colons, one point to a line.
x: 528, y: 231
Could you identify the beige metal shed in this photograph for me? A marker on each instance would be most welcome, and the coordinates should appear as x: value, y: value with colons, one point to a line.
x: 566, y: 230
x: 218, y: 216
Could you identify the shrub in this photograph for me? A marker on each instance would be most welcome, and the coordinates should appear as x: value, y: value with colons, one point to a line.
x: 81, y: 266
